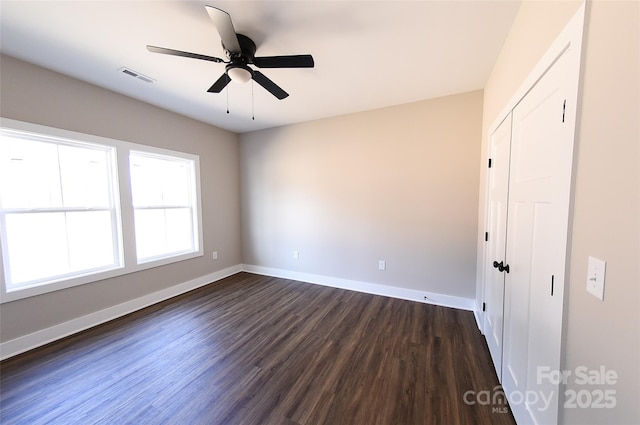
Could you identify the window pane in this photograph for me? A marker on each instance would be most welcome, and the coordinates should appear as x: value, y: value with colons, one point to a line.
x: 159, y: 181
x: 37, y: 246
x: 48, y: 245
x: 176, y: 190
x: 150, y: 237
x: 179, y: 229
x: 91, y: 242
x: 30, y: 177
x: 84, y: 176
x: 163, y: 231
x: 146, y: 181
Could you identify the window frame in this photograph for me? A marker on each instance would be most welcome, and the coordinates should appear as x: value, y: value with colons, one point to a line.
x: 113, y: 208
x: 193, y: 197
x: 125, y: 212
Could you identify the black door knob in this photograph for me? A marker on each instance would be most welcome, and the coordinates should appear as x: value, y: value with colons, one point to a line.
x: 501, y: 266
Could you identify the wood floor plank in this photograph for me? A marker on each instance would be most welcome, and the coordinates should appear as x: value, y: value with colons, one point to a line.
x: 259, y: 350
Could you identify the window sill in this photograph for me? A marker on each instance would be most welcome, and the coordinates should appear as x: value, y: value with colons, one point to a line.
x: 44, y: 288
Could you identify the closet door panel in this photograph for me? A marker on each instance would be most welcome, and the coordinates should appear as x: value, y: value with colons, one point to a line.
x: 500, y: 149
x: 541, y: 156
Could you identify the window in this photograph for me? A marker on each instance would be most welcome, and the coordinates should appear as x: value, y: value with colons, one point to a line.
x: 65, y: 195
x: 58, y: 213
x: 163, y: 197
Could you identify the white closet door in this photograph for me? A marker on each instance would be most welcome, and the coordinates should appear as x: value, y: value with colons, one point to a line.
x: 499, y: 151
x: 539, y: 188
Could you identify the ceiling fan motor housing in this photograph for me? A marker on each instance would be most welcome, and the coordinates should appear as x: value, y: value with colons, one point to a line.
x: 247, y: 49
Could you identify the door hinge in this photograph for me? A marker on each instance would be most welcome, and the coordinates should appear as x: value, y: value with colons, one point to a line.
x: 486, y: 236
x: 552, y: 276
x: 484, y: 306
x: 489, y: 162
x: 564, y: 108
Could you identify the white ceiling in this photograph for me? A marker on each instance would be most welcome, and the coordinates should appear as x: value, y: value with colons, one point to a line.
x: 368, y: 54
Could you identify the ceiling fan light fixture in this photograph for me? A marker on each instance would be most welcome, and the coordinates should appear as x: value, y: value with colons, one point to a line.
x: 241, y: 74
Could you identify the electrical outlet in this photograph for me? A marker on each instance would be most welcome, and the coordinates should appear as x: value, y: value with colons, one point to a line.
x: 214, y: 255
x: 296, y: 255
x: 382, y: 265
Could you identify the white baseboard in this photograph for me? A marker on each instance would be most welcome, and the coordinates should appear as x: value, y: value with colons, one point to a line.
x: 27, y: 342
x: 369, y: 288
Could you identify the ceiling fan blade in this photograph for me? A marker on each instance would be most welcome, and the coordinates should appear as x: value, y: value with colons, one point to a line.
x: 291, y: 61
x: 166, y: 51
x: 220, y: 84
x: 222, y: 21
x: 269, y: 85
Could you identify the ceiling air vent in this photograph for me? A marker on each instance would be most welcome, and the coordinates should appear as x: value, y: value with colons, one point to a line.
x: 135, y: 74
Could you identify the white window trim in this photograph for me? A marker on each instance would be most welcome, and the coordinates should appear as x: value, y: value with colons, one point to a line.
x: 193, y: 195
x: 127, y: 228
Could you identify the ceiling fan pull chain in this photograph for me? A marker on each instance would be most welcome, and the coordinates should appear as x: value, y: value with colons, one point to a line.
x: 227, y: 96
x: 253, y: 109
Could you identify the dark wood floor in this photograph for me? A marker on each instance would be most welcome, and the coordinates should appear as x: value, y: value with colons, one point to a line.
x: 257, y: 350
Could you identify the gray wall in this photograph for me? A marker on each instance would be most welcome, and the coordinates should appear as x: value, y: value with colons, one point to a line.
x: 606, y: 219
x: 398, y: 184
x: 36, y: 95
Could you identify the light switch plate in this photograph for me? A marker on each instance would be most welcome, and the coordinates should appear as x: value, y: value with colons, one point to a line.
x: 595, y: 277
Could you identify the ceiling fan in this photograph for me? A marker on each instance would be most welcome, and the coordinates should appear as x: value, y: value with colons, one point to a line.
x: 240, y: 51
